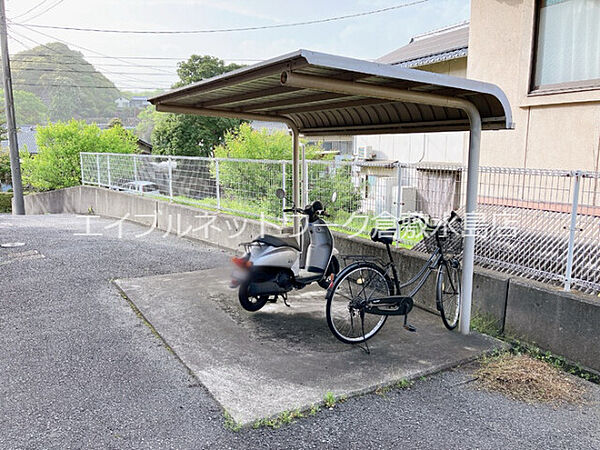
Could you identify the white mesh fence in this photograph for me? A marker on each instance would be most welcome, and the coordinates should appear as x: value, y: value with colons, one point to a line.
x: 540, y: 224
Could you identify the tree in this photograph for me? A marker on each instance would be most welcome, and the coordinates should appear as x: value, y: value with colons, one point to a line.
x: 198, y: 68
x: 147, y: 119
x: 257, y: 180
x: 57, y: 164
x: 29, y: 108
x: 180, y: 134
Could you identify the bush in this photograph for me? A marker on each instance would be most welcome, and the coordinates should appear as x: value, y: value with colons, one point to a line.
x: 57, y: 164
x: 5, y: 202
x: 252, y: 183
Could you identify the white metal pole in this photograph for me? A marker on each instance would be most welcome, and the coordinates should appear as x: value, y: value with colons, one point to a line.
x: 304, y: 177
x: 135, y: 170
x: 470, y: 219
x: 572, y: 229
x: 169, y: 162
x: 108, y: 170
x: 283, y: 187
x: 217, y: 184
x: 295, y: 177
x: 398, y: 201
x: 81, y: 167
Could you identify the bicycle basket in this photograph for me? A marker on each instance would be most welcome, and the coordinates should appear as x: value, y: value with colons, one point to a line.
x: 450, y: 237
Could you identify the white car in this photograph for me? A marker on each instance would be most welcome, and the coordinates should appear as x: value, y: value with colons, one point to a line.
x: 142, y: 187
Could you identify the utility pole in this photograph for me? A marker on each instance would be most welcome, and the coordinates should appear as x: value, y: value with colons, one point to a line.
x: 15, y: 165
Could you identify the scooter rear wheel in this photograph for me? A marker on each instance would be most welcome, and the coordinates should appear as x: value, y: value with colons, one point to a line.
x: 251, y: 304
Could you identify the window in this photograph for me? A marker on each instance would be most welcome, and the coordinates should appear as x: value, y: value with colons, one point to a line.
x: 567, y: 50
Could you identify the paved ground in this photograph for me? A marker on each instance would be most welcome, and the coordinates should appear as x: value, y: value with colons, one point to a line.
x: 79, y: 369
x: 283, y: 358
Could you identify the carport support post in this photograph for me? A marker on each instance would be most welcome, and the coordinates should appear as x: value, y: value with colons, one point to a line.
x: 295, y: 177
x: 470, y: 217
x: 385, y: 92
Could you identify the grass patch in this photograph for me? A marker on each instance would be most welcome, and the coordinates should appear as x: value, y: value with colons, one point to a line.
x: 6, y: 202
x: 329, y: 400
x: 358, y: 226
x: 230, y: 423
x: 485, y: 324
x: 558, y: 362
x: 285, y: 418
x: 527, y: 379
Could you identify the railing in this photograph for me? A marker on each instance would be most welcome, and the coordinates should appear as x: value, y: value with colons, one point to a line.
x: 539, y: 224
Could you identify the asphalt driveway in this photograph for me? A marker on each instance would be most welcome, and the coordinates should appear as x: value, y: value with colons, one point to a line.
x: 81, y: 370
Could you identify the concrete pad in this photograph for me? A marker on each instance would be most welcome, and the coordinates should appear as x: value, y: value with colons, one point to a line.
x: 259, y: 364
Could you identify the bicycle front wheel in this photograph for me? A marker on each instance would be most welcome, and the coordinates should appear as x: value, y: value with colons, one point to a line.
x: 356, y: 284
x: 448, y: 292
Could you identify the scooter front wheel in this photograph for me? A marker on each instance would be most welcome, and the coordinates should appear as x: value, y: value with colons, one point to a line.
x: 251, y: 304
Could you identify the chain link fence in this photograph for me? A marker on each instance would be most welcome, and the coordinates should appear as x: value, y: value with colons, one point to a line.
x: 539, y: 224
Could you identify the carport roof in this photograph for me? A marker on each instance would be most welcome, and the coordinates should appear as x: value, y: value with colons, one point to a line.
x: 258, y: 92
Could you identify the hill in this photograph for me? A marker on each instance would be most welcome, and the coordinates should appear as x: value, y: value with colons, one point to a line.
x: 65, y: 82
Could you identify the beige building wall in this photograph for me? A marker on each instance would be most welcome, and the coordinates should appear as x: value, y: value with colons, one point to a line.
x: 421, y: 147
x: 560, y: 130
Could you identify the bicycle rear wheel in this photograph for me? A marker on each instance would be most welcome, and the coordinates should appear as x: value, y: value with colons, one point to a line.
x: 448, y: 292
x: 357, y: 283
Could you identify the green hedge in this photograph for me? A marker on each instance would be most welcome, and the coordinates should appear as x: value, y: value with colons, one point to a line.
x: 5, y: 202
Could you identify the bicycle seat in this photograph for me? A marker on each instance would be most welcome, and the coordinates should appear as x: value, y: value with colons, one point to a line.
x: 275, y: 241
x: 383, y: 236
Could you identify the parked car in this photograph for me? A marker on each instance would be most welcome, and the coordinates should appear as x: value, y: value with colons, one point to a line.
x: 142, y: 187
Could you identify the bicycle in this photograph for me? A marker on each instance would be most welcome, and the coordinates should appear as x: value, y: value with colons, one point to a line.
x: 362, y: 295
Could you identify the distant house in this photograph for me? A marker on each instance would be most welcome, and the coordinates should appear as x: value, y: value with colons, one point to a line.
x: 139, y: 102
x: 122, y: 102
x: 442, y: 51
x: 144, y: 147
x: 25, y: 139
x: 340, y: 145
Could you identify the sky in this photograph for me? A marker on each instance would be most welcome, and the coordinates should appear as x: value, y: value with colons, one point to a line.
x: 367, y: 37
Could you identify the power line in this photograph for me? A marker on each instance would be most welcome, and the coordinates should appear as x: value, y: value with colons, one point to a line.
x: 30, y: 9
x: 227, y: 30
x: 79, y: 46
x: 54, y: 5
x: 32, y: 69
x: 18, y: 60
x: 127, y: 77
x: 88, y: 86
x: 166, y: 58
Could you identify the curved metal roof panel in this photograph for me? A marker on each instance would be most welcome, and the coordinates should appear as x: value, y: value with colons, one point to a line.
x: 257, y: 92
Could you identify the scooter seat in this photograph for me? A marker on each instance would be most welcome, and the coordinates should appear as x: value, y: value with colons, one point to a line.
x: 275, y: 241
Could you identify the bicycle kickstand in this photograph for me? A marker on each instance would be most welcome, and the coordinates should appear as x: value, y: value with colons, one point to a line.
x: 407, y: 326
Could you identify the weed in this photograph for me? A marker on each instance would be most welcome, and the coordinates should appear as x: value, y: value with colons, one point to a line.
x: 404, y: 384
x: 285, y: 418
x: 329, y: 400
x: 485, y: 324
x: 230, y: 423
x: 383, y: 390
x: 314, y: 409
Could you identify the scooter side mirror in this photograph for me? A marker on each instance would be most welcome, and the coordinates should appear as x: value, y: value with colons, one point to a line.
x: 333, y: 197
x: 280, y: 194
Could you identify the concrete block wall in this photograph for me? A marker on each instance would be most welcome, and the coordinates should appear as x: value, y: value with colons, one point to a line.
x: 567, y: 324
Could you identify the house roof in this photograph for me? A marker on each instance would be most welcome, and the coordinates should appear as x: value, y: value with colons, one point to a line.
x: 291, y: 88
x: 429, y: 48
x: 25, y: 138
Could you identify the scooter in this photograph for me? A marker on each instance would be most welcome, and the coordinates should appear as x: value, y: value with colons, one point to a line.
x: 270, y: 267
